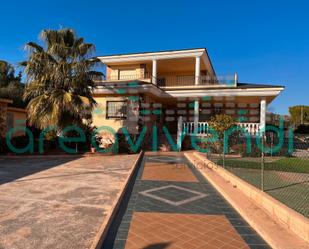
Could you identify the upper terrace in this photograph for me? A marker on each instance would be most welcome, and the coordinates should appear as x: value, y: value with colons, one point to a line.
x: 167, y: 69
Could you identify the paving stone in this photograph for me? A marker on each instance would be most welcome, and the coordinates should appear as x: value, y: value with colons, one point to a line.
x: 157, y: 222
x: 54, y: 202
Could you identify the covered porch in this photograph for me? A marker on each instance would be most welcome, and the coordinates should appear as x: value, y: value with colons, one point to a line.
x: 246, y: 104
x: 248, y: 112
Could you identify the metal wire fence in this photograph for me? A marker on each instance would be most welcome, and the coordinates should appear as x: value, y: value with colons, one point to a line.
x: 278, y: 166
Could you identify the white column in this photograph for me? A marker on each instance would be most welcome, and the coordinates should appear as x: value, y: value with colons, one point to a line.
x: 154, y: 72
x: 197, y: 70
x: 179, y: 132
x: 196, y: 115
x: 263, y: 115
x: 235, y: 79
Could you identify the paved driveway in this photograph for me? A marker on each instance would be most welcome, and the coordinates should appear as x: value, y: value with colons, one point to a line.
x: 179, y: 209
x: 57, y: 202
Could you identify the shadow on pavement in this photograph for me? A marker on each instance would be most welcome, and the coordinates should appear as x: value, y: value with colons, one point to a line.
x: 157, y: 246
x: 12, y: 169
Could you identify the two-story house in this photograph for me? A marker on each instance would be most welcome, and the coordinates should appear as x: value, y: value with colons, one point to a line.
x: 175, y: 89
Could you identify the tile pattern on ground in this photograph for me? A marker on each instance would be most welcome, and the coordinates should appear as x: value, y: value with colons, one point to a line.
x: 168, y: 172
x: 212, y: 204
x: 173, y: 195
x: 182, y: 231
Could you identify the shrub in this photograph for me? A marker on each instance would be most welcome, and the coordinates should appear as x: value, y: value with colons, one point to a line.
x: 221, y: 123
x: 302, y: 129
x: 123, y: 145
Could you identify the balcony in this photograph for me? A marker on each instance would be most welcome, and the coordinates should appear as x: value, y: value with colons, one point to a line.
x: 177, y: 80
x: 173, y: 81
x: 129, y: 77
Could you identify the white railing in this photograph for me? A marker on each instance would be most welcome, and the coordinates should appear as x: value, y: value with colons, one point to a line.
x: 175, y: 80
x: 202, y: 128
x: 123, y: 77
x: 251, y: 128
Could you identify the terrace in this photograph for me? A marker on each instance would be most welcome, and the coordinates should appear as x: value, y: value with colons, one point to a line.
x: 177, y: 80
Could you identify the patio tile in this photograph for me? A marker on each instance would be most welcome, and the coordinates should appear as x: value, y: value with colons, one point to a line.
x: 181, y: 231
x: 168, y: 172
x: 153, y: 220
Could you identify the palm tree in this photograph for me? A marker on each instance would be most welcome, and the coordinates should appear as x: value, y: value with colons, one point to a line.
x: 60, y: 80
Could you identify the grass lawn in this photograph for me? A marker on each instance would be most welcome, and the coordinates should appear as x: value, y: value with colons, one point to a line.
x: 285, y: 179
x: 291, y: 164
x: 291, y: 191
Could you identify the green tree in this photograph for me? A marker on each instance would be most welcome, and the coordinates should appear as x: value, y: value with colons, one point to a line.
x: 299, y: 114
x: 10, y: 85
x: 7, y: 74
x: 60, y: 80
x: 220, y: 123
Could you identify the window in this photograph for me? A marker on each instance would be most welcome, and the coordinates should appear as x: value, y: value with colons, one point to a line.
x: 116, y: 109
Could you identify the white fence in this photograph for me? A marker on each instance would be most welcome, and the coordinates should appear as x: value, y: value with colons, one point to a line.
x: 202, y: 128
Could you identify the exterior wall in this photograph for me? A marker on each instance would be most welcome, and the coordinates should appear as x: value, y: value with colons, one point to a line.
x: 149, y: 118
x: 172, y: 75
x: 239, y: 110
x: 134, y: 120
x: 131, y: 123
x: 176, y: 78
x: 16, y: 116
x: 134, y: 71
x: 19, y: 119
x: 3, y: 114
x: 243, y: 112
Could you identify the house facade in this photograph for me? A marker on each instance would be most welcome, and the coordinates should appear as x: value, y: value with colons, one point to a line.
x: 178, y: 90
x: 11, y: 117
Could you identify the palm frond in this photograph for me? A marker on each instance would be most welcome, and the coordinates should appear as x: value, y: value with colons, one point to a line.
x: 60, y: 78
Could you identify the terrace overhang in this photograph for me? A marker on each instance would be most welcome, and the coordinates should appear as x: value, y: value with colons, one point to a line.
x: 270, y: 92
x: 120, y: 59
x: 128, y: 88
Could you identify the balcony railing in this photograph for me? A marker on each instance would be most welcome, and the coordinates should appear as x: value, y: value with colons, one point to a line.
x: 172, y: 80
x: 203, y: 128
x: 252, y: 128
x: 190, y: 80
x: 123, y: 77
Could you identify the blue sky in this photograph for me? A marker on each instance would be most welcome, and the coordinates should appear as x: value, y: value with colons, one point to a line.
x: 263, y: 41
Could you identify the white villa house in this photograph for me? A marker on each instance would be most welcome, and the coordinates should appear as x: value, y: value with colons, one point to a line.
x: 178, y: 89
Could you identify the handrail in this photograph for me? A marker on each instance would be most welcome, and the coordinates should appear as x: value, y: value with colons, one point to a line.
x: 138, y: 76
x: 171, y: 80
x: 176, y: 80
x: 203, y: 128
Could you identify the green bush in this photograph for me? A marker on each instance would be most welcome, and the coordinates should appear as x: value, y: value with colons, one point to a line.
x: 123, y: 145
x: 302, y: 129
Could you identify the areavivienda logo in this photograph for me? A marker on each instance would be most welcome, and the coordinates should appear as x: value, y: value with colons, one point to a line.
x: 149, y: 135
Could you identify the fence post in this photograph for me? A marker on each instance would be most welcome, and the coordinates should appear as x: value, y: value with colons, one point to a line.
x: 223, y: 159
x: 262, y: 163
